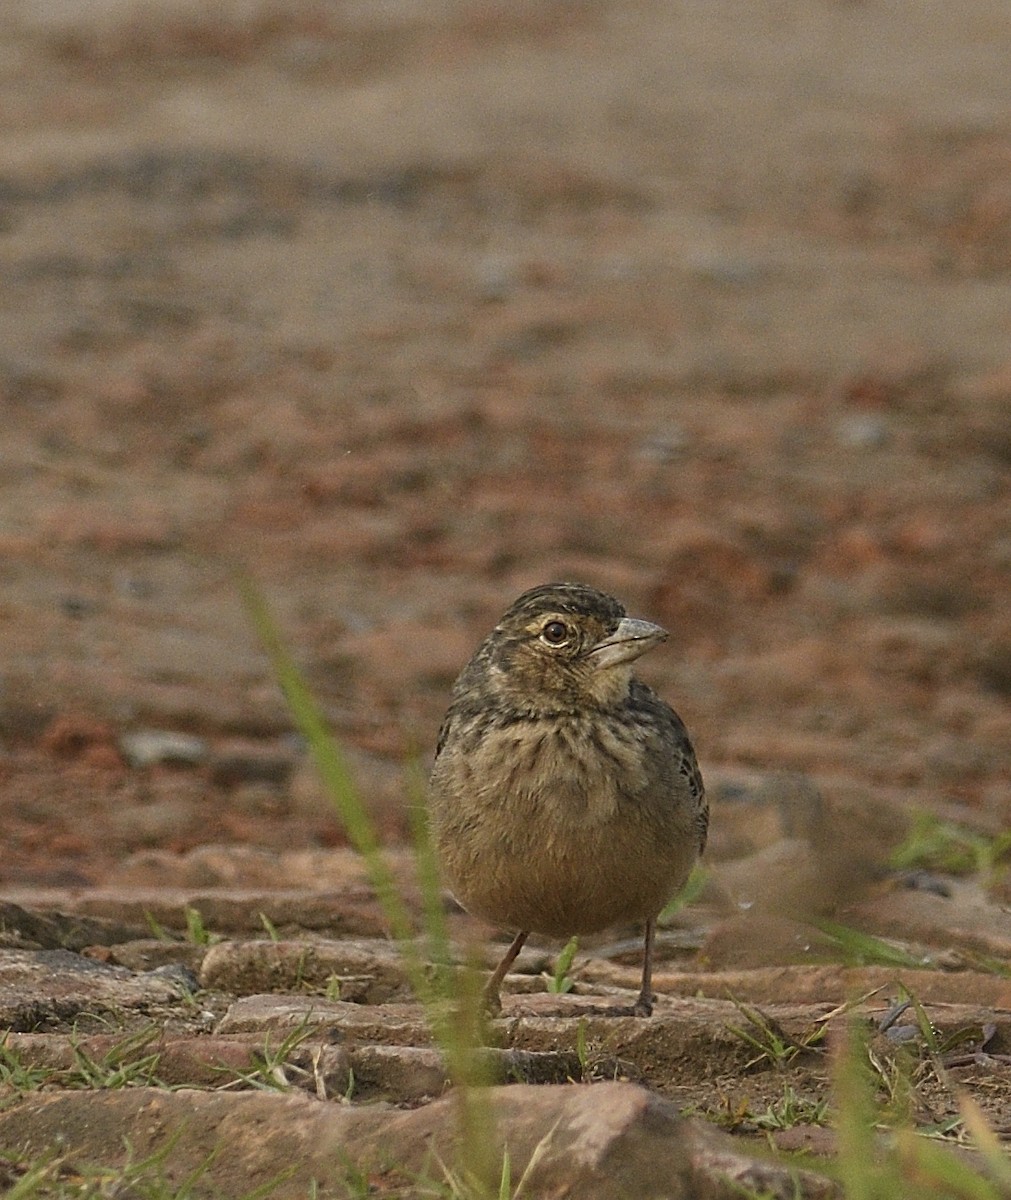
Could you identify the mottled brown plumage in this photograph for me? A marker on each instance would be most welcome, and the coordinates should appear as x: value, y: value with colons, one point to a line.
x: 565, y: 796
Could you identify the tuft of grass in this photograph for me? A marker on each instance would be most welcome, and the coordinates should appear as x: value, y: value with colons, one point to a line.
x: 936, y: 845
x: 904, y: 1162
x: 273, y: 1069
x: 54, y: 1177
x: 157, y: 929
x: 196, y: 930
x: 858, y: 949
x: 561, y: 981
x: 15, y: 1074
x: 772, y: 1044
x: 123, y: 1065
x: 791, y: 1109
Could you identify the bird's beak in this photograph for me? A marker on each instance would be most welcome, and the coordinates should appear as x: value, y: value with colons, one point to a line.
x: 628, y: 641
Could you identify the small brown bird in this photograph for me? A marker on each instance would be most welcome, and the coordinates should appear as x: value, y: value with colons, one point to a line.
x: 565, y: 796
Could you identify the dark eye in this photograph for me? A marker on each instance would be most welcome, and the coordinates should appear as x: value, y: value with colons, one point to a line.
x: 555, y: 633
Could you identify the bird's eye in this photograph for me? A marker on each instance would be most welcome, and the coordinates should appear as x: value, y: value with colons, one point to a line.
x: 555, y: 633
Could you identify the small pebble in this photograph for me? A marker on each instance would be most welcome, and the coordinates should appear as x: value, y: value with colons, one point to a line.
x: 899, y: 1035
x: 177, y: 973
x: 253, y: 764
x: 149, y: 747
x: 924, y: 881
x: 77, y: 607
x: 861, y: 431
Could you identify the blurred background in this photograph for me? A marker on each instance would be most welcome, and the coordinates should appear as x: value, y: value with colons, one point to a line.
x: 405, y: 306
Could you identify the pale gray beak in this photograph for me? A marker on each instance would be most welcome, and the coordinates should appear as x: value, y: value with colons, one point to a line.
x: 628, y: 641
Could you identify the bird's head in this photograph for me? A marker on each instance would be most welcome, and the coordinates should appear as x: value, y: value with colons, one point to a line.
x: 565, y: 645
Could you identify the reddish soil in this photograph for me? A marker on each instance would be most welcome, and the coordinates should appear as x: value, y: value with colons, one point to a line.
x: 402, y: 311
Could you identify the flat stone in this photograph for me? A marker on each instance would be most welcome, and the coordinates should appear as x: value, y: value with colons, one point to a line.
x: 204, y: 1061
x: 389, y: 1024
x: 41, y: 929
x: 603, y: 1142
x: 339, y: 871
x: 53, y: 987
x: 365, y: 972
x: 400, y: 1074
x: 252, y: 762
x: 352, y: 911
x: 158, y: 821
x: 965, y: 921
x: 655, y: 1049
x: 412, y: 1074
x: 695, y: 1037
x: 150, y: 954
x: 758, y: 938
x: 409, y: 1074
x: 825, y: 983
x: 207, y: 866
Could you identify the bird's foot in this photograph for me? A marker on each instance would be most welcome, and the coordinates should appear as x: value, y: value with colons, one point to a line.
x: 643, y: 1007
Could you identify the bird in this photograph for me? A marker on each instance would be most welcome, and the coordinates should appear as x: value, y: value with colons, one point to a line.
x: 565, y: 796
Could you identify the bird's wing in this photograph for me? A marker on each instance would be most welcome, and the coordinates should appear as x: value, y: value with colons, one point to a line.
x: 677, y: 742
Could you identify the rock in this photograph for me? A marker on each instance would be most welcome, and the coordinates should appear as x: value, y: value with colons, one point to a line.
x: 208, y: 866
x: 805, y: 1139
x: 205, y: 1061
x: 784, y: 844
x: 224, y: 865
x: 389, y: 1024
x: 787, y: 877
x: 252, y: 762
x: 353, y: 911
x: 405, y: 1074
x: 861, y: 431
x: 681, y: 1031
x: 759, y: 938
x: 965, y: 921
x: 818, y: 983
x: 363, y: 972
x: 31, y: 929
x: 54, y: 987
x: 400, y: 1074
x: 603, y: 1142
x: 152, y: 747
x: 412, y: 1074
x: 157, y: 821
x: 748, y: 816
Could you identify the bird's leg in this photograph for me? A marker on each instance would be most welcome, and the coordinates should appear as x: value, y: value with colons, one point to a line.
x: 644, y: 1004
x: 491, y: 989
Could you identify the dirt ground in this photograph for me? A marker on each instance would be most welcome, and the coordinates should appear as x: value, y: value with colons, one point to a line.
x: 401, y: 308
